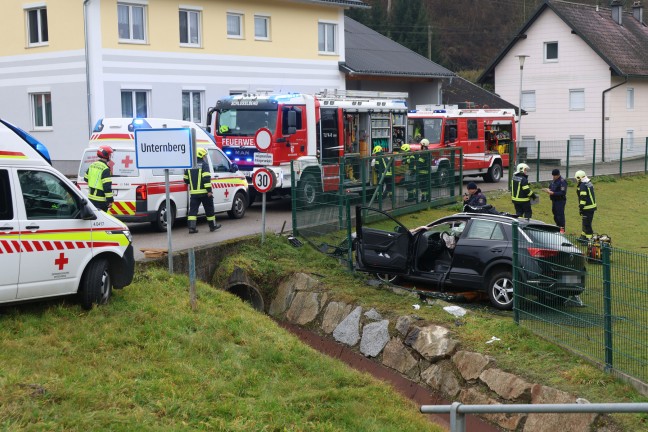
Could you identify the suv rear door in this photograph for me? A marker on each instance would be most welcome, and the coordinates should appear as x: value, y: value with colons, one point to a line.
x: 482, y: 242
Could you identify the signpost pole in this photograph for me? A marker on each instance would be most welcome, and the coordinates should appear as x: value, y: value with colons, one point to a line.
x: 263, y: 217
x: 167, y: 216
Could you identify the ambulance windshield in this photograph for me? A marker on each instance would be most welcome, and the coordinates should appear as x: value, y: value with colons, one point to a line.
x: 245, y: 122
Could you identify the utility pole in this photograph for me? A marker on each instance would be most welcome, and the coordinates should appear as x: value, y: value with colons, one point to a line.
x: 429, y: 42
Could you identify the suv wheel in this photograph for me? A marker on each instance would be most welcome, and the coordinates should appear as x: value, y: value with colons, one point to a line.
x: 500, y: 290
x: 388, y: 278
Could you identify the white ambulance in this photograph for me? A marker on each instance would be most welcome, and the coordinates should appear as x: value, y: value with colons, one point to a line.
x: 53, y: 242
x: 140, y: 194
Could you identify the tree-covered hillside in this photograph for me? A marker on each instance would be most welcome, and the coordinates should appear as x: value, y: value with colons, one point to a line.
x: 462, y: 35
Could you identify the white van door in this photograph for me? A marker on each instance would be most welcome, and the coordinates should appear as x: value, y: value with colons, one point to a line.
x: 9, y: 240
x: 225, y: 183
x: 56, y: 242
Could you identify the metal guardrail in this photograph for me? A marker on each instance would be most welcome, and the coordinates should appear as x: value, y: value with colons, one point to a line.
x: 458, y: 410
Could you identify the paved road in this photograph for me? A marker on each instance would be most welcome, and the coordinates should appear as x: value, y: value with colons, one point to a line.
x: 278, y: 217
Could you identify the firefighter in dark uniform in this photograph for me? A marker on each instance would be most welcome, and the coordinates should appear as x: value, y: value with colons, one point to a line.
x: 586, y: 203
x: 99, y: 179
x: 200, y: 191
x: 408, y: 162
x: 423, y: 170
x: 558, y: 195
x: 521, y: 193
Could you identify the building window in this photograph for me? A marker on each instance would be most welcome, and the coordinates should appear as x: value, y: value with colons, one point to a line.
x: 577, y: 145
x: 131, y: 22
x: 42, y: 110
x: 576, y: 99
x: 134, y: 103
x: 529, y: 100
x: 528, y: 143
x: 190, y: 27
x: 261, y: 27
x: 37, y: 31
x: 551, y: 51
x: 192, y: 106
x: 629, y: 141
x: 327, y: 35
x: 630, y: 98
x: 234, y: 25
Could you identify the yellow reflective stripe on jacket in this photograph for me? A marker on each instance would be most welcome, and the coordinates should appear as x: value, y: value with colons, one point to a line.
x: 586, y: 199
x: 517, y: 189
x: 97, y: 181
x: 199, y: 181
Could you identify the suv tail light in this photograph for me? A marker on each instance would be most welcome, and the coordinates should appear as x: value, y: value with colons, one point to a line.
x: 542, y: 253
x: 141, y: 193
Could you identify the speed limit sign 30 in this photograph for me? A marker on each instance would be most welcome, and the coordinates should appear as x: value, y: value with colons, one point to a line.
x: 263, y: 180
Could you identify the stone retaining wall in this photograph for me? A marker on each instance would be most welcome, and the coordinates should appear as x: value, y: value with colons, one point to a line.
x: 427, y: 354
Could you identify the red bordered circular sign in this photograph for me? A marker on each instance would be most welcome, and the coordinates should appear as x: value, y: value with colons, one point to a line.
x: 263, y: 139
x: 263, y: 180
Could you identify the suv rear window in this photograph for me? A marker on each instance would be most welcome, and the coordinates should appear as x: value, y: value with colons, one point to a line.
x: 545, y: 236
x: 123, y: 163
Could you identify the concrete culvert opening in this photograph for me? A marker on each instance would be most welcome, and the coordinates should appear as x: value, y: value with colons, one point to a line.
x: 240, y: 285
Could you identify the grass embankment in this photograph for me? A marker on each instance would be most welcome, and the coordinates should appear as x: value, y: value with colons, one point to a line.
x: 148, y: 362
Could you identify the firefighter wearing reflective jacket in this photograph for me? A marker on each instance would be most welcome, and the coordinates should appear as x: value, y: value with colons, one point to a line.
x: 586, y: 203
x: 383, y: 167
x: 423, y: 164
x: 521, y: 193
x: 200, y: 191
x: 99, y: 179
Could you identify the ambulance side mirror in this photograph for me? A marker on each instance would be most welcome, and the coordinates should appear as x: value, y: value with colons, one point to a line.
x: 234, y: 168
x: 86, y: 211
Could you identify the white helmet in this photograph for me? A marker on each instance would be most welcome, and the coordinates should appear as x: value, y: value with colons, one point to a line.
x: 580, y: 174
x: 521, y: 167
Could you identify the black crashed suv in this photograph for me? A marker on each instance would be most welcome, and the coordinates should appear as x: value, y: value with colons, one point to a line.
x: 473, y: 252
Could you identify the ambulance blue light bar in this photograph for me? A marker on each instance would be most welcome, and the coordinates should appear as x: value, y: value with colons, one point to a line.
x: 33, y: 142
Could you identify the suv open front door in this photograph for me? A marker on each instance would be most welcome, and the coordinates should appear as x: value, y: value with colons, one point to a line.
x: 382, y: 251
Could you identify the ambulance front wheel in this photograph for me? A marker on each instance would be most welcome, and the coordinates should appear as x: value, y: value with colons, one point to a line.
x: 239, y: 204
x: 96, y: 284
x: 160, y: 222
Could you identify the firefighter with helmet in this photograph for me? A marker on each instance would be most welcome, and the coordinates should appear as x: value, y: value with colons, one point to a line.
x: 407, y: 162
x: 423, y: 164
x: 383, y: 166
x: 521, y: 193
x: 200, y: 192
x: 99, y: 179
x: 586, y: 203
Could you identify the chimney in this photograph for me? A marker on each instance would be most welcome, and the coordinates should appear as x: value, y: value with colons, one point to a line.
x: 617, y: 11
x: 637, y: 11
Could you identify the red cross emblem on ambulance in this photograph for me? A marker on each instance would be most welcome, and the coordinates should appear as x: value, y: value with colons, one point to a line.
x: 61, y: 261
x: 127, y: 161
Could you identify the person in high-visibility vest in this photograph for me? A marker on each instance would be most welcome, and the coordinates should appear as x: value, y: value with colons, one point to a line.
x: 423, y: 164
x: 383, y: 166
x: 200, y: 192
x: 99, y: 179
x: 586, y: 203
x: 521, y: 193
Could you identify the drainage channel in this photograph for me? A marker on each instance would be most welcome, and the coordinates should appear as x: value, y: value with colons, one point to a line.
x: 411, y: 390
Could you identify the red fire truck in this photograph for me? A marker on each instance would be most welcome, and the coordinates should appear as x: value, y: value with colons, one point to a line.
x: 485, y: 137
x: 314, y: 131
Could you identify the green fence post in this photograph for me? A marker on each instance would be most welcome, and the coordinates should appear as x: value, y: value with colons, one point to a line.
x: 621, y: 159
x: 454, y: 167
x: 341, y: 193
x: 646, y: 157
x: 516, y: 303
x: 607, y: 306
x: 538, y: 164
x: 567, y: 162
x: 293, y: 199
x: 347, y: 205
x: 594, y: 159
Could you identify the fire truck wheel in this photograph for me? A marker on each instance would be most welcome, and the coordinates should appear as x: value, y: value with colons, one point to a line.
x: 96, y: 284
x: 308, y: 190
x: 160, y: 223
x: 239, y: 204
x: 494, y: 173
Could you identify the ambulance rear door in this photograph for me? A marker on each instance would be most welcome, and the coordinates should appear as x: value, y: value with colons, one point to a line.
x: 9, y: 240
x: 56, y: 242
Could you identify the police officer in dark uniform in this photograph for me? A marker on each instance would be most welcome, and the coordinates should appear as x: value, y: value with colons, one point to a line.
x: 558, y: 194
x: 200, y: 192
x: 474, y: 197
